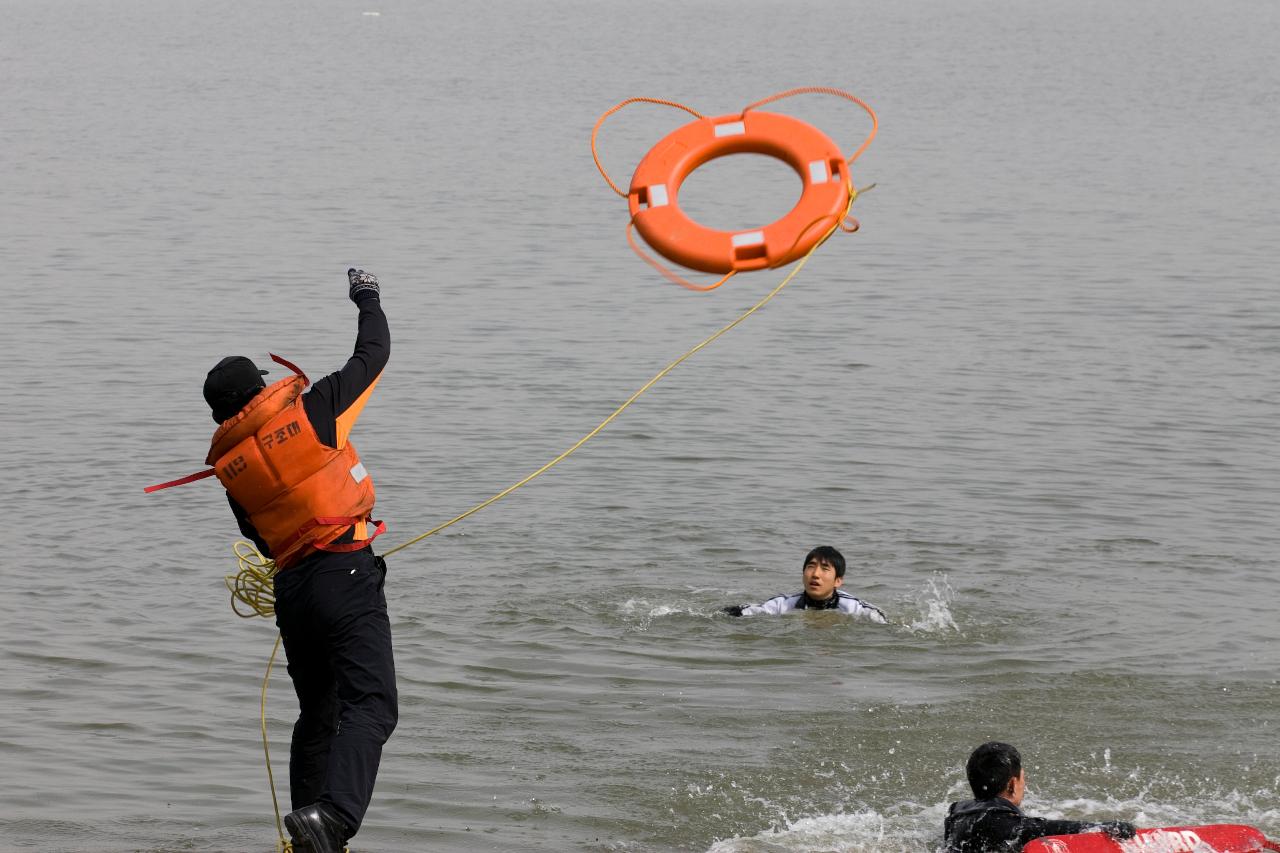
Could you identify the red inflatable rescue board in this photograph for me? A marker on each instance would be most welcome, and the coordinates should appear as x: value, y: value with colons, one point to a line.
x: 1214, y: 838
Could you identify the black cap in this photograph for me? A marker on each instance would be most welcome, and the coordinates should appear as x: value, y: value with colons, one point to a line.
x: 233, y: 382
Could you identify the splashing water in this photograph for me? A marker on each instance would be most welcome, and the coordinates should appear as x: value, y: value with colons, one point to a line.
x: 917, y: 828
x: 639, y: 613
x: 933, y: 603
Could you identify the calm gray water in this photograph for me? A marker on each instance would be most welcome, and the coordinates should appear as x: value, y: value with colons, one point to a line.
x: 1034, y: 401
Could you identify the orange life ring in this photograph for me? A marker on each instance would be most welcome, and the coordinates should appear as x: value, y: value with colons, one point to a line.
x: 655, y: 190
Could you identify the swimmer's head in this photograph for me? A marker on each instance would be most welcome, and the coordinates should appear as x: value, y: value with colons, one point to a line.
x: 823, y: 572
x: 826, y: 554
x: 995, y: 769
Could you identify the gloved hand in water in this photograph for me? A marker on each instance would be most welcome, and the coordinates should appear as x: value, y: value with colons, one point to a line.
x: 1119, y: 829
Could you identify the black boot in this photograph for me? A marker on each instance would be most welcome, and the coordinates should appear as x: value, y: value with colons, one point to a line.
x: 314, y: 829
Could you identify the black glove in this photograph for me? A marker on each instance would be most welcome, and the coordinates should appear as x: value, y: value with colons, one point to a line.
x: 732, y: 609
x: 363, y: 285
x: 1118, y: 829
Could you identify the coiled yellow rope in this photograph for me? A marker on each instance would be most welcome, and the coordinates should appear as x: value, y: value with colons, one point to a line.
x: 251, y: 587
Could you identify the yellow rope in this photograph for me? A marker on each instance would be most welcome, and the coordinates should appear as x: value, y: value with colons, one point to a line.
x: 283, y: 845
x: 252, y: 586
x: 661, y: 373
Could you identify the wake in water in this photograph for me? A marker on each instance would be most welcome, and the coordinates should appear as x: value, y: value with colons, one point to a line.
x: 858, y: 831
x: 639, y: 613
x: 930, y: 609
x: 913, y: 827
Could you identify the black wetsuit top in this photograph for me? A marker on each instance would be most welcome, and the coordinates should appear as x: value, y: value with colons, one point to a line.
x: 330, y: 398
x: 998, y: 826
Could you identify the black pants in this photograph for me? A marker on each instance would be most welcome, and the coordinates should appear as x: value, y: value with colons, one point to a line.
x: 332, y: 614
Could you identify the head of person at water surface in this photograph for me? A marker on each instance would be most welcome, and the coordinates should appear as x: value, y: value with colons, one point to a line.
x: 823, y: 572
x: 995, y: 770
x: 230, y: 385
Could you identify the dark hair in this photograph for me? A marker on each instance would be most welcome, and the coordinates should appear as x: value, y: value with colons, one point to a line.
x: 991, y: 767
x: 826, y: 554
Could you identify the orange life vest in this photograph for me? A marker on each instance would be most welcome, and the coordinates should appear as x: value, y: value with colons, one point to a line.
x: 299, y: 494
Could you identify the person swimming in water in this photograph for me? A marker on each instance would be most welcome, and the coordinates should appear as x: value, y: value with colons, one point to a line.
x: 823, y: 575
x: 993, y: 822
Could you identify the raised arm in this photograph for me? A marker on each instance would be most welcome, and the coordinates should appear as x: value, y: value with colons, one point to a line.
x: 334, y: 402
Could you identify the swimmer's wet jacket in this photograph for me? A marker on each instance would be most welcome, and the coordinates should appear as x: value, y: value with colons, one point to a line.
x: 976, y: 826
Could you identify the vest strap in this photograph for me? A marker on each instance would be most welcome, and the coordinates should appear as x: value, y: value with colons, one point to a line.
x: 190, y: 478
x: 378, y: 529
x: 289, y: 364
x: 333, y: 521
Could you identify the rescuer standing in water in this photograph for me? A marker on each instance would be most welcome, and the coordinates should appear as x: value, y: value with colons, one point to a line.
x: 299, y: 491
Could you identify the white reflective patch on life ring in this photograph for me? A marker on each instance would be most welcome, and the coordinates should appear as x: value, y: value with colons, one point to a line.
x: 657, y: 195
x: 358, y: 473
x: 733, y: 128
x: 747, y: 238
x: 818, y: 173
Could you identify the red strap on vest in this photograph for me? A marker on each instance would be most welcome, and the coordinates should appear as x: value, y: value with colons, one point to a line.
x: 191, y: 478
x: 333, y: 520
x: 378, y: 529
x: 289, y: 364
x: 209, y: 473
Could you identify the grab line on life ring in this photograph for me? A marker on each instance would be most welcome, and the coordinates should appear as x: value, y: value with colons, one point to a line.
x: 652, y: 198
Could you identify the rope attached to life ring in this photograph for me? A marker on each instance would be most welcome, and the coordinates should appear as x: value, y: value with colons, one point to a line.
x: 600, y: 121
